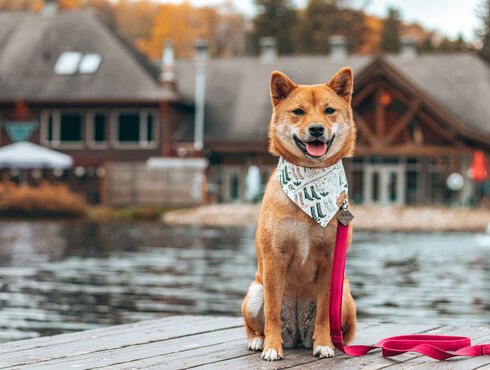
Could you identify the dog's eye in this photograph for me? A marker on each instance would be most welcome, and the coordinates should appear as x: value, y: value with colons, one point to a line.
x: 298, y: 112
x: 329, y: 110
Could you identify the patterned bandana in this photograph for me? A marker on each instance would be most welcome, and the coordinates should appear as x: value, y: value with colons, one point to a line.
x: 314, y: 190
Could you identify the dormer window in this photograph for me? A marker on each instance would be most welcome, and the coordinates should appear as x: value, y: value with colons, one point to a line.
x: 72, y: 62
x: 90, y: 63
x: 67, y: 63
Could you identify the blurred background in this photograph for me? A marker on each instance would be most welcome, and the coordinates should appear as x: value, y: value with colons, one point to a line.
x: 133, y: 154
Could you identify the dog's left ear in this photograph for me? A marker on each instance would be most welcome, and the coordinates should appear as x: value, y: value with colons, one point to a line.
x: 342, y: 83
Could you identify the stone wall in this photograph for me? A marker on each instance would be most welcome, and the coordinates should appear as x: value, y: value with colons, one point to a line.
x: 164, y: 181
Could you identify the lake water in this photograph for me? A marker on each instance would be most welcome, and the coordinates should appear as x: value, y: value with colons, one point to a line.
x: 65, y: 276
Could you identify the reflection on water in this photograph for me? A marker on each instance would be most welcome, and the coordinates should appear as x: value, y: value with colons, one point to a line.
x: 65, y: 276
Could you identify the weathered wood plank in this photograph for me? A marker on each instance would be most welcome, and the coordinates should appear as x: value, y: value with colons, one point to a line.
x: 146, y: 352
x: 211, y: 342
x: 73, y: 344
x: 223, y: 352
x: 375, y: 360
x: 478, y: 335
x: 305, y: 358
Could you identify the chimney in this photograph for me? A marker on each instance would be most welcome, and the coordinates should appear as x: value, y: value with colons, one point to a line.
x: 50, y: 7
x: 202, y: 50
x: 338, y: 47
x: 268, y: 49
x: 167, y: 75
x: 408, y: 47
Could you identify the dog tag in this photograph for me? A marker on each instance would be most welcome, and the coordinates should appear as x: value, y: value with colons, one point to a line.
x: 345, y: 216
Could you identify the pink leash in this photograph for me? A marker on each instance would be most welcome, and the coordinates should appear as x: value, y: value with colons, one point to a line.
x: 435, y: 346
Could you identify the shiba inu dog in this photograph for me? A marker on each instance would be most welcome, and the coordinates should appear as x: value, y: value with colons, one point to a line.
x: 311, y: 129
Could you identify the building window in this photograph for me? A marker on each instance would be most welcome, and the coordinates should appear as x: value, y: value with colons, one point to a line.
x: 129, y: 128
x: 136, y: 129
x: 62, y: 128
x: 149, y: 127
x: 70, y: 127
x: 50, y: 127
x: 100, y: 129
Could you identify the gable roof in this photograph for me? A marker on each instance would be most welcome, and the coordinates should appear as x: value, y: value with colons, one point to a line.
x: 238, y: 104
x: 31, y: 43
x: 460, y: 83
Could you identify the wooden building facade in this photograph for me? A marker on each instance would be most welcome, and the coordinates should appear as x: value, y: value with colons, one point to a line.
x: 76, y: 87
x: 81, y: 89
x: 420, y: 119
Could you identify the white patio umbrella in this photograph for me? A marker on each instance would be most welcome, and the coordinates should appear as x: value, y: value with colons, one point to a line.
x: 27, y: 155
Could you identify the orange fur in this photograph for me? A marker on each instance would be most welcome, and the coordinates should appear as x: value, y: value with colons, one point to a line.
x: 284, y: 229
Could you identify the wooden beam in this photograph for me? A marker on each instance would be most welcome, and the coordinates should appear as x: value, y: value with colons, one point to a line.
x: 443, y: 132
x: 379, y: 114
x: 365, y: 130
x: 165, y: 129
x: 410, y: 150
x: 402, y: 122
x: 363, y: 94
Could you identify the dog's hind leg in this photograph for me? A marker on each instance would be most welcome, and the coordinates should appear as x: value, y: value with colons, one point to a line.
x: 253, y: 316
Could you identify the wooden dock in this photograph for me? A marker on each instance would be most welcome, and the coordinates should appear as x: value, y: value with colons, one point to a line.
x: 213, y: 342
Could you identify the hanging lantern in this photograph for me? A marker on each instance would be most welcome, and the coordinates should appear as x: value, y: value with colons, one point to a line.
x: 478, y: 170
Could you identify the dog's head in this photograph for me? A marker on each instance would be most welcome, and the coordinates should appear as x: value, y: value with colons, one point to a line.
x: 312, y: 125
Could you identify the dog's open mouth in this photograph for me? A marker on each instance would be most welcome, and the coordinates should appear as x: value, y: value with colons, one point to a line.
x: 314, y: 149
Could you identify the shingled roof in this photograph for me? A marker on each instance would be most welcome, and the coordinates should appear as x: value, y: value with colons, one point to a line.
x: 458, y: 82
x: 237, y: 90
x: 31, y: 43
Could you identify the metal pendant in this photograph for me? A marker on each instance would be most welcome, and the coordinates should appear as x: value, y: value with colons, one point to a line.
x: 345, y: 216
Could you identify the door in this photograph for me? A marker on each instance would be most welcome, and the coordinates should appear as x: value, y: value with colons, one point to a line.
x: 384, y: 184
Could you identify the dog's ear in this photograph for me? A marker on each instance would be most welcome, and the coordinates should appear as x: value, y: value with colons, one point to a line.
x: 342, y: 83
x: 281, y: 87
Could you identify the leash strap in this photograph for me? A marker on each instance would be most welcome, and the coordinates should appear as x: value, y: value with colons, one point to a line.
x: 435, y: 346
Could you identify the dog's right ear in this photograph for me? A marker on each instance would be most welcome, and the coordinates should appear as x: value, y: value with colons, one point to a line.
x: 281, y: 87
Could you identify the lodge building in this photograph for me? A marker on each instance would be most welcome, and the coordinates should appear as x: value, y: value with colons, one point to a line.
x: 77, y: 87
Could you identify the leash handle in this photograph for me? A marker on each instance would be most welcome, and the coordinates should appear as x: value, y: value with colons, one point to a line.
x: 435, y: 346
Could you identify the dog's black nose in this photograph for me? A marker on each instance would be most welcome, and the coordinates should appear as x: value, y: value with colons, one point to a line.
x: 316, y: 130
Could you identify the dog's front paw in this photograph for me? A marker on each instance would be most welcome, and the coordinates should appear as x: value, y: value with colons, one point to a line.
x: 272, y: 349
x: 272, y: 354
x: 323, y: 351
x: 256, y: 344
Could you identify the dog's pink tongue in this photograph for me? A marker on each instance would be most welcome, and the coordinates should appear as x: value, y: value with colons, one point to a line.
x: 316, y: 149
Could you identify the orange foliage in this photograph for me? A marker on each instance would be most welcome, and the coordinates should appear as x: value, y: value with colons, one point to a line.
x: 182, y: 23
x: 68, y: 4
x: 34, y: 5
x: 45, y: 200
x: 373, y: 38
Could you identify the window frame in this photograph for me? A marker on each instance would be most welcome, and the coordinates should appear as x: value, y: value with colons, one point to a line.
x: 90, y: 131
x: 143, y: 143
x: 56, y: 142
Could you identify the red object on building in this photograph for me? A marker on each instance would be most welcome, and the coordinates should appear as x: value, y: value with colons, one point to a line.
x: 478, y: 170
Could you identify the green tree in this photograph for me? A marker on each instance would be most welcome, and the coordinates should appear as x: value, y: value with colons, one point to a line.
x: 276, y: 18
x: 324, y: 18
x: 484, y: 32
x: 390, y: 40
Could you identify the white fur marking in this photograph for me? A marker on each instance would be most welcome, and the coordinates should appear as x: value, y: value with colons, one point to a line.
x: 271, y: 355
x: 340, y: 129
x: 323, y: 351
x: 256, y: 344
x: 255, y: 300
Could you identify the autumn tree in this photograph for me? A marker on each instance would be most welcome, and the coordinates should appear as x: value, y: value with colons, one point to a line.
x: 34, y: 5
x: 484, y: 32
x: 390, y: 41
x: 276, y: 18
x: 222, y: 26
x: 324, y: 18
